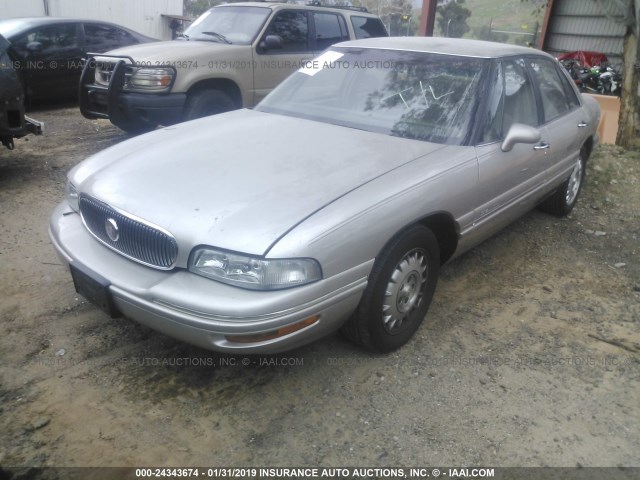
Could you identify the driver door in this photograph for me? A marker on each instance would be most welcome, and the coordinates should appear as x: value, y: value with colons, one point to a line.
x: 506, y: 178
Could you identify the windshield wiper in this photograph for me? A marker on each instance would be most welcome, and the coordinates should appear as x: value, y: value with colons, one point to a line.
x: 217, y: 35
x: 182, y: 35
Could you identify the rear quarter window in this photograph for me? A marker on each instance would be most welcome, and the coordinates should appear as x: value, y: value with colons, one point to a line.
x: 367, y: 27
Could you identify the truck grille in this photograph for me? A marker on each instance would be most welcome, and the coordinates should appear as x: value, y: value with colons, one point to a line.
x: 133, y: 238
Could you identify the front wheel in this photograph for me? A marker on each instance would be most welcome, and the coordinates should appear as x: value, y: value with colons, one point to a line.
x: 203, y: 103
x: 399, y: 292
x: 562, y: 201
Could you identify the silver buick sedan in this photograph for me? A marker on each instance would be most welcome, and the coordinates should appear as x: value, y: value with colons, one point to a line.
x: 332, y: 204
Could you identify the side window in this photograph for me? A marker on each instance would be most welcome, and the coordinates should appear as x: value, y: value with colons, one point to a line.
x: 519, y: 99
x: 51, y: 38
x: 292, y: 27
x: 495, y: 109
x: 569, y: 91
x: 330, y: 29
x: 105, y: 37
x: 554, y: 100
x: 366, y: 27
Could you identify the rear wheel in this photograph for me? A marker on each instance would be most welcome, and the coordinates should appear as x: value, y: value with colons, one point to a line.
x: 399, y: 292
x: 203, y: 103
x: 565, y: 197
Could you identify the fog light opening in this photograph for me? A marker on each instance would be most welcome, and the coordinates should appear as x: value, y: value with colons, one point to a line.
x: 281, y: 332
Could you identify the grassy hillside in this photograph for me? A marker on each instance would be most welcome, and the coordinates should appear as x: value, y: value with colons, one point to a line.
x: 503, y: 15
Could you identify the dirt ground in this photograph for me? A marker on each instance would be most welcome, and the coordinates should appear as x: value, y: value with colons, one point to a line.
x: 529, y: 356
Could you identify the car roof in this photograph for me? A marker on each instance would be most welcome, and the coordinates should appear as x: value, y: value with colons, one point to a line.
x: 12, y: 26
x: 442, y: 45
x: 285, y: 5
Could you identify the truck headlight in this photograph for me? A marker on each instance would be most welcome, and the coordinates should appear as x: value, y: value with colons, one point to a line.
x: 150, y: 79
x: 255, y: 273
x: 72, y: 196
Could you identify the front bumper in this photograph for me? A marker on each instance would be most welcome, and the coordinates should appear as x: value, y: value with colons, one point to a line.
x: 123, y: 107
x: 204, y: 312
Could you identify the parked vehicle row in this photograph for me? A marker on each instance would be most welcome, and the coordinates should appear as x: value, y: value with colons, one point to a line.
x: 366, y: 170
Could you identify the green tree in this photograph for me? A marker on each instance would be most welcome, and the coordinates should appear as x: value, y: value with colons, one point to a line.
x: 452, y: 19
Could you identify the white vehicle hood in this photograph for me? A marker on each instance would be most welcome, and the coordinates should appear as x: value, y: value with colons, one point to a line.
x: 239, y: 180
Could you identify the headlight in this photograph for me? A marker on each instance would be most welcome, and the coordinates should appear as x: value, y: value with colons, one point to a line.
x: 151, y: 79
x: 72, y: 196
x: 254, y: 273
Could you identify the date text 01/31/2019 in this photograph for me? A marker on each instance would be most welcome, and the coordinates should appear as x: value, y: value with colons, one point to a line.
x: 413, y: 473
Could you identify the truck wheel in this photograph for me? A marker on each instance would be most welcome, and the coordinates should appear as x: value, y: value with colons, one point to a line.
x: 207, y: 102
x: 400, y: 289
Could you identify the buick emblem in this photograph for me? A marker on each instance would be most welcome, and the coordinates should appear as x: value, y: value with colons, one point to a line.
x: 111, y: 227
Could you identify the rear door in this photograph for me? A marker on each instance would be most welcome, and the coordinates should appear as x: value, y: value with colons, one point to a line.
x: 563, y: 117
x: 328, y: 28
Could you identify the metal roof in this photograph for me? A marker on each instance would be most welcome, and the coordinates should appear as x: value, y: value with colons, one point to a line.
x: 584, y: 25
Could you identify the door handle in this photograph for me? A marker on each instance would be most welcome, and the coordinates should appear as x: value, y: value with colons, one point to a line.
x: 583, y: 124
x: 541, y: 146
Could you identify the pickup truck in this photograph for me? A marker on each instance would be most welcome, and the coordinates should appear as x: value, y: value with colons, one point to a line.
x: 13, y: 122
x: 231, y: 57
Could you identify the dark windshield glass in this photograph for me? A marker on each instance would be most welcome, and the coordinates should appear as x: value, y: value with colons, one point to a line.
x: 414, y: 95
x: 238, y: 25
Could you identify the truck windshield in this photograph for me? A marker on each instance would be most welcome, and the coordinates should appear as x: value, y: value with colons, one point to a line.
x: 228, y: 24
x: 422, y: 96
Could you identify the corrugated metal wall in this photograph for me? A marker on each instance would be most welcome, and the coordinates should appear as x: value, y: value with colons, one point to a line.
x: 583, y: 25
x: 144, y: 16
x: 21, y: 8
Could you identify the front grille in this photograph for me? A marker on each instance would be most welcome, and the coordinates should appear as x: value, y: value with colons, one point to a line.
x: 131, y: 237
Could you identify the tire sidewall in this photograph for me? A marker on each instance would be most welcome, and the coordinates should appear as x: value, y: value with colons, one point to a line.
x: 569, y: 206
x: 370, y: 312
x: 204, y: 103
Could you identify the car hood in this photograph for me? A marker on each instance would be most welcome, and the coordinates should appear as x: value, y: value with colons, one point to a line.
x: 176, y: 50
x: 239, y: 180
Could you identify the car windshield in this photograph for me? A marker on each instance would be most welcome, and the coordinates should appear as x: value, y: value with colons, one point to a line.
x: 415, y: 95
x: 238, y: 25
x: 9, y: 27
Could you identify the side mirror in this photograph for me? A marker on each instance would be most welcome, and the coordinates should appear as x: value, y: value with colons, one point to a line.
x: 271, y: 42
x: 34, y: 47
x: 520, y: 133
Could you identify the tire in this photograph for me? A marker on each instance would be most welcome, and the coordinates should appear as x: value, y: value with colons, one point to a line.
x: 203, y: 103
x: 400, y: 289
x: 562, y: 201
